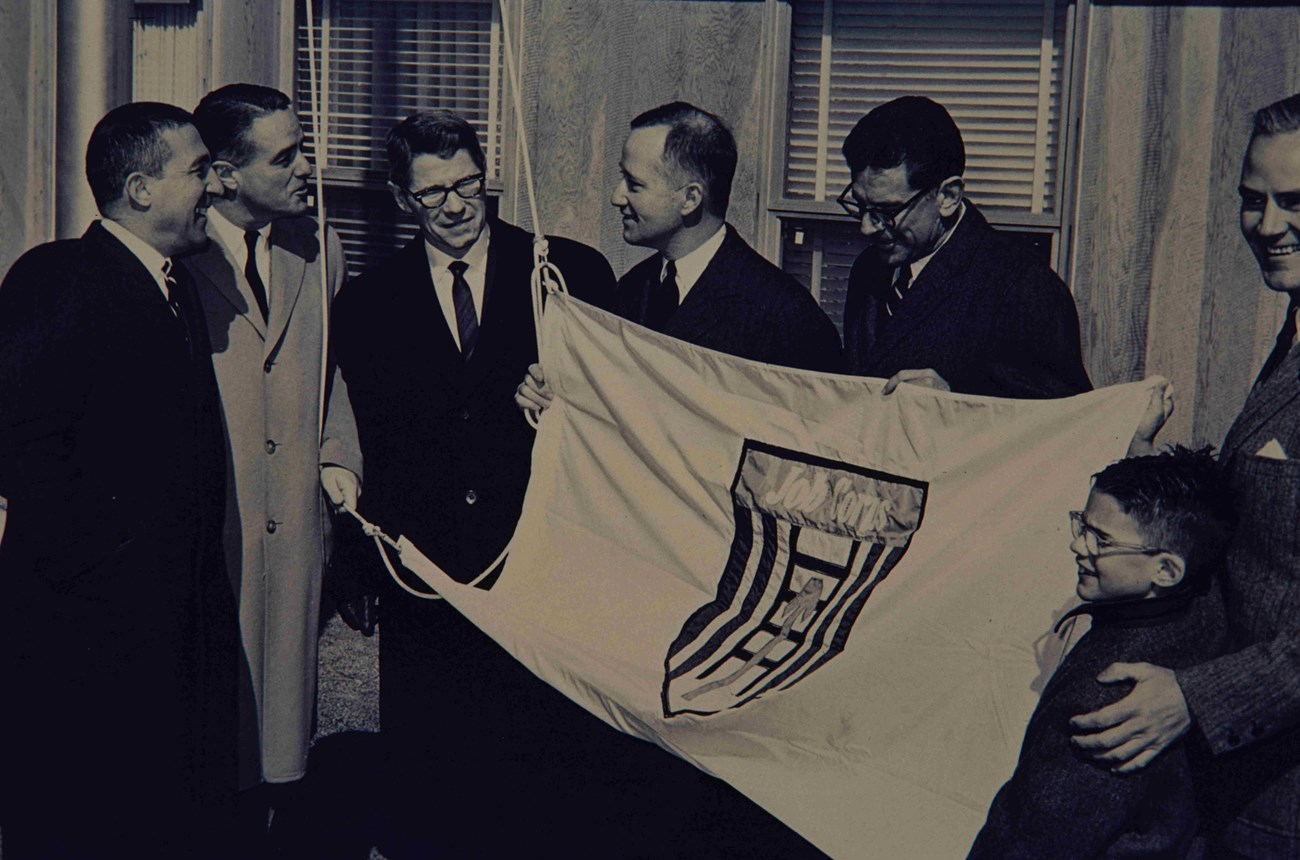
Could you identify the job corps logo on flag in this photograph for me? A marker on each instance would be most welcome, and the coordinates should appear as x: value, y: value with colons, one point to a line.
x: 814, y: 538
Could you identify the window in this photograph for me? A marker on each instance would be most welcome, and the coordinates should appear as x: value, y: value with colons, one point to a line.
x: 384, y: 60
x: 1002, y: 69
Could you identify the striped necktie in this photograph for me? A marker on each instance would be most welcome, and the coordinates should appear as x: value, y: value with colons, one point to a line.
x: 901, y: 284
x: 466, y: 315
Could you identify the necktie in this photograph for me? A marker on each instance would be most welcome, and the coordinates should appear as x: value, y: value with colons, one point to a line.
x: 174, y: 302
x: 901, y: 283
x: 1283, y: 344
x: 466, y: 316
x: 255, y: 279
x: 663, y: 299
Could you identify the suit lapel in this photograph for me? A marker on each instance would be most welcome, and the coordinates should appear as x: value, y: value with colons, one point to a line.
x: 218, y: 267
x: 712, y: 299
x: 930, y: 293
x: 136, y: 284
x: 1265, y: 401
x: 288, y: 268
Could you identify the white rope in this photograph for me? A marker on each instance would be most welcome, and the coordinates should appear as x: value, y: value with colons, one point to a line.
x: 546, y: 279
x: 322, y: 150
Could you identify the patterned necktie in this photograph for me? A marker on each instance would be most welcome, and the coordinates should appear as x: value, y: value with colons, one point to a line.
x: 664, y: 299
x: 466, y: 316
x: 901, y: 283
x: 1283, y: 345
x: 255, y: 279
x: 174, y: 302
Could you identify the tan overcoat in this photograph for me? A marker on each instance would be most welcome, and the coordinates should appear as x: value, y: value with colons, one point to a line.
x: 276, y: 529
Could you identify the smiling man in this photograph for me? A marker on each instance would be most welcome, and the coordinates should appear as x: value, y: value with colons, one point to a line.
x: 1244, y: 707
x: 432, y: 343
x: 120, y: 651
x: 259, y: 281
x: 938, y: 297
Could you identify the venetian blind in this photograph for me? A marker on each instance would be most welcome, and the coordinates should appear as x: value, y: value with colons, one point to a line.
x: 998, y: 66
x: 378, y: 61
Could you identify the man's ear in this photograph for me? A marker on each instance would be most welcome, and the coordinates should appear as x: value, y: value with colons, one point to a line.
x: 136, y: 191
x: 692, y: 199
x: 399, y: 195
x: 226, y: 174
x: 1170, y: 569
x: 951, y: 191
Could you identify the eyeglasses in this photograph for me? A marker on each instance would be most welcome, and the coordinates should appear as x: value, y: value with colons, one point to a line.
x: 882, y: 217
x: 1094, y: 543
x: 435, y: 196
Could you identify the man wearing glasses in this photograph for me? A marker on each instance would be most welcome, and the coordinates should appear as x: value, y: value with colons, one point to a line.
x: 939, y: 298
x: 432, y: 344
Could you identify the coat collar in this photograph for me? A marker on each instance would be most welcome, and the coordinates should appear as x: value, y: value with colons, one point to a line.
x: 711, y: 302
x: 1132, y: 613
x: 1264, y: 401
x: 931, y: 292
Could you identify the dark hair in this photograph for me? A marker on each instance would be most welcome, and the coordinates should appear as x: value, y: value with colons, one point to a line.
x: 433, y: 132
x: 700, y: 144
x: 224, y: 117
x: 1279, y: 117
x: 129, y: 140
x: 914, y: 131
x: 1179, y: 501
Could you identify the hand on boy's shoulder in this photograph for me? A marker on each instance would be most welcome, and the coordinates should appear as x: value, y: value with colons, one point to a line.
x: 1130, y: 733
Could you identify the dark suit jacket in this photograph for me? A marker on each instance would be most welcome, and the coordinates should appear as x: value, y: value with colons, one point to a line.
x: 1246, y: 705
x: 741, y: 305
x: 447, y: 459
x: 121, y: 642
x: 1061, y: 804
x: 984, y: 314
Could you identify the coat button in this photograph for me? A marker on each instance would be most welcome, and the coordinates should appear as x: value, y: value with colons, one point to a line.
x: 270, y: 446
x: 1233, y: 739
x: 266, y: 366
x: 271, y: 526
x: 464, y: 414
x: 1256, y: 730
x: 471, y: 497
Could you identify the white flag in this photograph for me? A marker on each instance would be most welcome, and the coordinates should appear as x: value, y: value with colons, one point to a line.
x: 839, y: 602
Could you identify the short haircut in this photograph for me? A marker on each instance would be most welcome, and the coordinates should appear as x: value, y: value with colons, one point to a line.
x: 224, y: 117
x: 699, y: 144
x: 433, y: 132
x: 129, y: 140
x: 1278, y: 118
x: 913, y: 131
x: 1179, y: 501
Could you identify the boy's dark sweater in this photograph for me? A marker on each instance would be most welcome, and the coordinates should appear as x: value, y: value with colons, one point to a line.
x: 1059, y: 804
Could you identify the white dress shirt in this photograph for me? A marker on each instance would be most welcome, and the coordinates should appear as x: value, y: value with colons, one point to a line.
x: 692, y: 265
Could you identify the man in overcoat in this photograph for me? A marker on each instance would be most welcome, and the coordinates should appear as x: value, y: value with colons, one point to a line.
x: 939, y: 297
x: 259, y: 280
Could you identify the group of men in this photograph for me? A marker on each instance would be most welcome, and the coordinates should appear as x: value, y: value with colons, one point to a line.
x: 172, y: 424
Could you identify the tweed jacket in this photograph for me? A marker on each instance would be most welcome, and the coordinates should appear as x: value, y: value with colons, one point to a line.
x: 275, y: 535
x: 1246, y: 705
x: 985, y: 315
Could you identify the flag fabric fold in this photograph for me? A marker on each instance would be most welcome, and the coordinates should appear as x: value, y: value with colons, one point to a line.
x: 839, y: 602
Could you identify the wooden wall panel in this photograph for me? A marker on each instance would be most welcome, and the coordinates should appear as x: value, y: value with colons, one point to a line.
x: 1164, y: 282
x: 27, y: 56
x: 592, y: 65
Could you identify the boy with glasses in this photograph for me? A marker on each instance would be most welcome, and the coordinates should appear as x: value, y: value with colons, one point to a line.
x: 939, y: 298
x: 1148, y: 544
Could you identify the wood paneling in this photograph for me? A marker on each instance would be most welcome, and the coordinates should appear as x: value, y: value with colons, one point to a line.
x: 590, y: 66
x: 27, y: 54
x: 1164, y: 282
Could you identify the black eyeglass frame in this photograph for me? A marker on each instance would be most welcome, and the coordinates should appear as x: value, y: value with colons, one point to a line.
x: 435, y: 196
x: 882, y: 217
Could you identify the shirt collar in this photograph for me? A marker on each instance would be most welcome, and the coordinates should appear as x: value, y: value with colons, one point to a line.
x: 691, y: 266
x: 232, y: 235
x: 918, y: 265
x: 475, y: 257
x: 1143, y: 612
x: 144, y: 252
